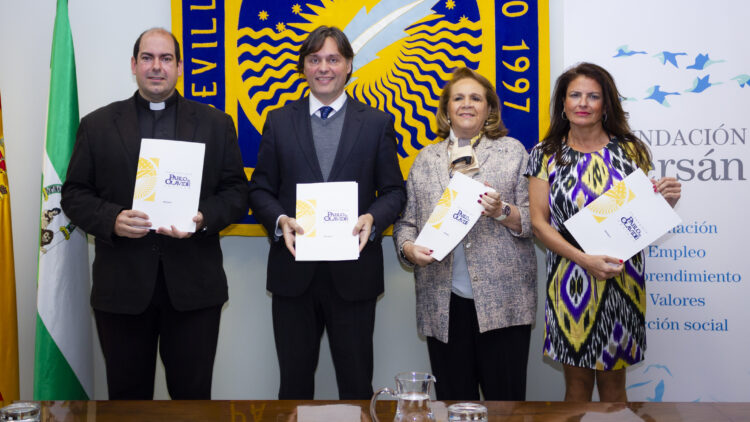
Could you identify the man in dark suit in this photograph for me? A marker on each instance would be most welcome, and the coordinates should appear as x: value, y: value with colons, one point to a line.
x: 326, y: 137
x: 163, y: 286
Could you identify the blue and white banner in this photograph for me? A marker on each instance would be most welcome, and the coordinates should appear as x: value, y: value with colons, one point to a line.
x: 683, y: 68
x: 241, y: 56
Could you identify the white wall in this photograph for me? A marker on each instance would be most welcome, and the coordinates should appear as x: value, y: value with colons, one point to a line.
x: 246, y: 368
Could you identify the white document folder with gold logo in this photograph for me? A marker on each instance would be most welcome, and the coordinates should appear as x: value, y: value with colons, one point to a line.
x: 623, y: 220
x: 328, y: 213
x: 168, y: 182
x: 454, y: 215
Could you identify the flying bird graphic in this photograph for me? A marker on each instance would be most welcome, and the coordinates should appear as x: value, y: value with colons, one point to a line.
x: 742, y: 80
x: 658, y: 393
x: 701, y: 84
x: 656, y: 94
x: 656, y: 366
x: 666, y: 56
x: 702, y: 61
x: 638, y: 384
x: 624, y: 51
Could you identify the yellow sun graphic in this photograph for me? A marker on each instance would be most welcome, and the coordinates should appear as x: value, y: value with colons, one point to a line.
x: 145, y: 179
x: 305, y: 216
x: 450, y: 4
x: 442, y: 208
x: 262, y: 15
x: 407, y: 62
x: 607, y: 204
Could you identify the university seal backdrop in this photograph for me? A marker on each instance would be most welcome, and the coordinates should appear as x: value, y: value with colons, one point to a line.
x: 241, y: 57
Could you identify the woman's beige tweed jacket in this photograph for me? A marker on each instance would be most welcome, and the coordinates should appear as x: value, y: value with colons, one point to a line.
x: 502, y: 264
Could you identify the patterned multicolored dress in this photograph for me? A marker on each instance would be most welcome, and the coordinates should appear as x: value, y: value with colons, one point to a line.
x: 590, y: 323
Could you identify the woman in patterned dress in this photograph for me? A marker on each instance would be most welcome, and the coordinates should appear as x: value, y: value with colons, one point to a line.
x: 595, y: 306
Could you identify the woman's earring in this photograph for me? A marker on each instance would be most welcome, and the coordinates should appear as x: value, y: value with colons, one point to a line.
x: 449, y: 121
x: 604, y: 119
x: 564, y: 116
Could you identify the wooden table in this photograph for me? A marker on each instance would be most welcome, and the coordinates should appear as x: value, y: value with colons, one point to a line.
x: 285, y: 411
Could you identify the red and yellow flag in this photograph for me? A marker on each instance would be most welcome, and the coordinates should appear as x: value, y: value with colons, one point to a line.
x: 8, y: 319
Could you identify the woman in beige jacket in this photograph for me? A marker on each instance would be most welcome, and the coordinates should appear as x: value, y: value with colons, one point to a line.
x: 476, y: 306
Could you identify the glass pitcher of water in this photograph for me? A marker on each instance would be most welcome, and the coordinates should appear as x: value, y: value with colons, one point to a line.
x: 413, y: 394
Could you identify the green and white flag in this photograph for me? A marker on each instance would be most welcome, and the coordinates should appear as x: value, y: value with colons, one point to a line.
x: 63, y: 363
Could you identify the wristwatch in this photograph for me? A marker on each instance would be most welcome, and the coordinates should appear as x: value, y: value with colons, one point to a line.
x: 504, y: 211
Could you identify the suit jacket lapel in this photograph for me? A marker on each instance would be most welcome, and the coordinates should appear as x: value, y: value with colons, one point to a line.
x: 186, y: 120
x: 126, y: 122
x: 303, y: 131
x: 349, y: 135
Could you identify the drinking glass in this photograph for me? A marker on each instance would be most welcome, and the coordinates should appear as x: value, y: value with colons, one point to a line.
x: 467, y: 412
x: 21, y: 412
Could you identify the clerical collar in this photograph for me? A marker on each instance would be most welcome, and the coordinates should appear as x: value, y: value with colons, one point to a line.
x: 156, y: 106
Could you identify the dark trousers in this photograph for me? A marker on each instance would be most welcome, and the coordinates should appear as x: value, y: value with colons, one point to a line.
x: 187, y: 346
x: 298, y: 324
x: 494, y: 360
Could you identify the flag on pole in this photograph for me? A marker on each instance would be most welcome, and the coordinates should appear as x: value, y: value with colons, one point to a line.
x: 8, y: 318
x: 63, y: 368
